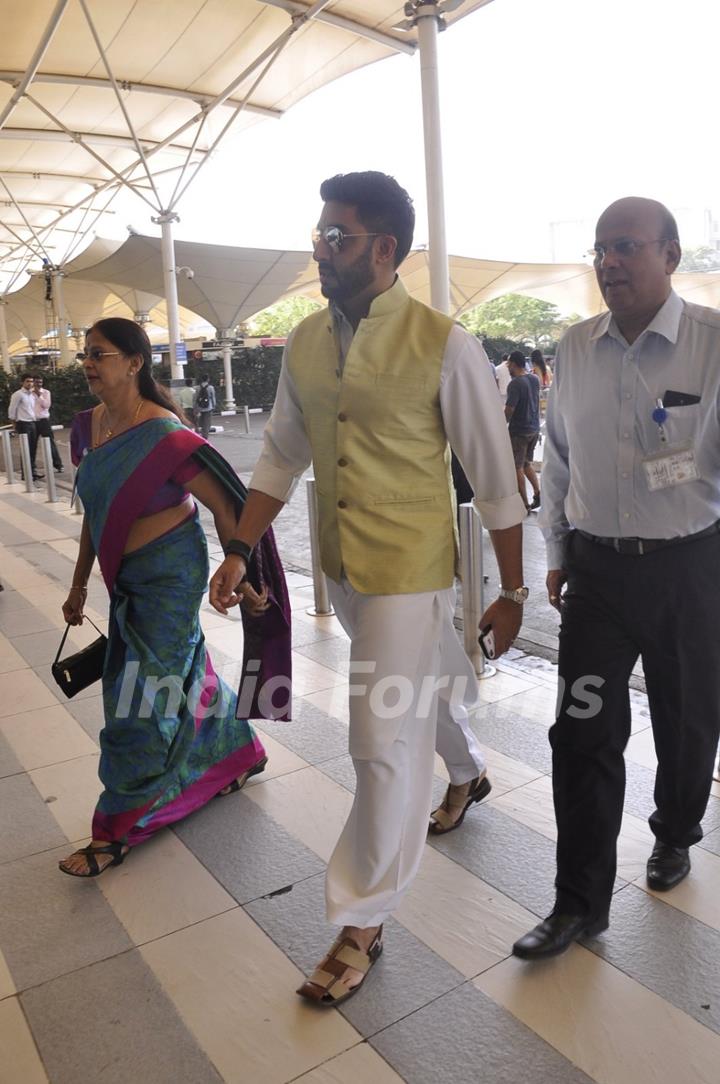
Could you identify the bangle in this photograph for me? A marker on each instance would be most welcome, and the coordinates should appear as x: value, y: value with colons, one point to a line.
x: 237, y: 548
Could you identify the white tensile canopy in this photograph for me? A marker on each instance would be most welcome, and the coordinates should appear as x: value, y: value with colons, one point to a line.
x: 226, y: 285
x: 97, y: 98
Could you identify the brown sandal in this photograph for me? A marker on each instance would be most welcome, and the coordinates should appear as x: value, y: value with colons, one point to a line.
x: 442, y: 819
x: 328, y: 983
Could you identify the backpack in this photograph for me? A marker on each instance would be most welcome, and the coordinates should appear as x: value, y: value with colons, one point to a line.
x: 203, y: 397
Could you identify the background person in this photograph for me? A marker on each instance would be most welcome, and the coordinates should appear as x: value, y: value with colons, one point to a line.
x: 186, y: 399
x: 204, y: 404
x: 43, y: 403
x: 373, y: 390
x: 522, y: 410
x: 502, y: 377
x: 21, y: 411
x: 631, y: 514
x: 139, y: 468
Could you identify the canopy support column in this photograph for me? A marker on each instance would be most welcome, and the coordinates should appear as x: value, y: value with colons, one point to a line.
x: 4, y: 349
x: 429, y: 21
x: 225, y: 338
x: 165, y: 221
x: 62, y: 322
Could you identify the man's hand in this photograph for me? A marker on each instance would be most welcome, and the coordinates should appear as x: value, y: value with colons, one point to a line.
x: 225, y: 583
x: 555, y: 581
x: 505, y: 617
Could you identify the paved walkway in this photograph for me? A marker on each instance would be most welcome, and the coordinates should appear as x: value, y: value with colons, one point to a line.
x: 180, y: 966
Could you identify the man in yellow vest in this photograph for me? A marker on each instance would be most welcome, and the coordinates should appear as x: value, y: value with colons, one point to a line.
x: 373, y: 391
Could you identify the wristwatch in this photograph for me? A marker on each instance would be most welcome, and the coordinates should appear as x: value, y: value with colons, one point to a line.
x: 519, y: 594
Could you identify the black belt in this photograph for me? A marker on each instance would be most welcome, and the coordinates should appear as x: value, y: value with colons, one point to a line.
x: 637, y: 547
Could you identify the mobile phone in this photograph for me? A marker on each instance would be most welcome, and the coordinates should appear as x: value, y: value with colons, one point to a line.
x: 486, y: 639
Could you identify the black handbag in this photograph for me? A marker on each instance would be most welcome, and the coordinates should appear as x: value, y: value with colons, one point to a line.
x: 77, y: 671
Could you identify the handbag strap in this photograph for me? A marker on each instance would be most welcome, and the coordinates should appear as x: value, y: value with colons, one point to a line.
x: 67, y: 630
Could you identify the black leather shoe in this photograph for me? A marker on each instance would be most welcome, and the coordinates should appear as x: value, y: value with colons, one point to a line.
x: 556, y: 933
x: 667, y: 866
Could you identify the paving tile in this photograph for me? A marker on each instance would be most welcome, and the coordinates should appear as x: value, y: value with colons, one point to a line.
x: 20, y: 1059
x: 511, y: 734
x: 89, y: 713
x: 71, y: 791
x: 40, y: 648
x: 334, y: 702
x: 602, y: 1020
x: 37, y: 738
x: 308, y: 805
x: 407, y: 975
x: 25, y: 622
x: 666, y: 951
x: 235, y: 990
x: 72, y: 925
x: 22, y: 690
x: 639, y: 787
x: 7, y: 986
x: 711, y: 842
x: 136, y: 1032
x: 342, y: 770
x: 360, y: 1065
x: 10, y: 659
x: 333, y: 652
x: 312, y: 734
x: 507, y: 855
x: 464, y: 1037
x: 9, y: 763
x: 303, y: 634
x: 26, y: 825
x: 244, y: 849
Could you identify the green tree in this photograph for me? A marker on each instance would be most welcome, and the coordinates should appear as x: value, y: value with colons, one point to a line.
x: 281, y: 318
x: 703, y: 258
x: 513, y: 316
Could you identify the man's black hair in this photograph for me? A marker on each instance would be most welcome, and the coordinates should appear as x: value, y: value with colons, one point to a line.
x: 380, y: 203
x: 517, y: 358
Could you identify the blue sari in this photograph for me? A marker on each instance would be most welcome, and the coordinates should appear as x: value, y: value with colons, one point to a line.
x: 171, y: 740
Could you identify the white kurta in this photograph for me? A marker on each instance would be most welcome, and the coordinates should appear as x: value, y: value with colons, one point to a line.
x: 411, y: 684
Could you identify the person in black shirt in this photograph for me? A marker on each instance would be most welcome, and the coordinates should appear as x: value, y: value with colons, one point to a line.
x: 522, y: 410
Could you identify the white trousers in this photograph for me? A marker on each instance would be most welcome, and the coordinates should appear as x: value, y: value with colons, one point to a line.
x: 411, y: 687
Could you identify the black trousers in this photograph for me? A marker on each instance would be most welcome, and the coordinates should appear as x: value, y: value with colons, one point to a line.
x: 44, y: 429
x: 663, y: 606
x: 31, y: 429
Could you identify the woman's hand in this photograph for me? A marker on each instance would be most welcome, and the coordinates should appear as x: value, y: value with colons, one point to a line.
x: 74, y: 605
x: 254, y: 603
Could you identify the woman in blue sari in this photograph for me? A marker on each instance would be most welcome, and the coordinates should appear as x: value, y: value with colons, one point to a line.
x: 171, y: 739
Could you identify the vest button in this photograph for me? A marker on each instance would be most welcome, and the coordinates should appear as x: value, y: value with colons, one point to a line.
x: 342, y: 417
x: 342, y: 462
x: 342, y: 504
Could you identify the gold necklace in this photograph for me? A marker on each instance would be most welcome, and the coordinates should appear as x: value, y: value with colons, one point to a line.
x: 110, y: 432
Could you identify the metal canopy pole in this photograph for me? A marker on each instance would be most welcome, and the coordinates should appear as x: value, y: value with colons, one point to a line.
x: 165, y: 221
x: 62, y: 321
x: 225, y: 338
x: 428, y: 19
x: 4, y: 349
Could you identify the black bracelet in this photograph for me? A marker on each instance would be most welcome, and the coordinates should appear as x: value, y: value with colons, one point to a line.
x: 239, y: 549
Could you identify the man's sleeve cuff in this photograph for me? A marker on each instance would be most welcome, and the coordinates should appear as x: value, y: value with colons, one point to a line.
x: 274, y: 481
x: 555, y: 554
x: 503, y: 513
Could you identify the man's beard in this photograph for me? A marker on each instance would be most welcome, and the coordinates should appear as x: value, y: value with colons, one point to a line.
x: 351, y: 281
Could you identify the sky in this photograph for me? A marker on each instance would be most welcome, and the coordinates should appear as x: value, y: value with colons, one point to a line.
x: 551, y: 110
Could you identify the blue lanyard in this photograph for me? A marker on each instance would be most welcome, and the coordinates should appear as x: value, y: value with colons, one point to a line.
x: 659, y: 415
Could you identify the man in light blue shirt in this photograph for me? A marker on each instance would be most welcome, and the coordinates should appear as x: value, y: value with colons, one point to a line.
x: 631, y: 511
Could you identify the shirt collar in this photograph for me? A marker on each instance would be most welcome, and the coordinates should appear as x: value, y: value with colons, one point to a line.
x: 666, y: 322
x: 385, y: 303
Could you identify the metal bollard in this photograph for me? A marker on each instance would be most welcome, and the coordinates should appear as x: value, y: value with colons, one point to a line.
x: 471, y: 575
x: 44, y: 443
x: 26, y: 464
x: 7, y: 453
x: 246, y: 412
x: 322, y: 601
x: 75, y: 502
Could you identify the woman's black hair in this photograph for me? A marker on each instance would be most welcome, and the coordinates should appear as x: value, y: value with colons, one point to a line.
x: 130, y: 338
x: 536, y: 358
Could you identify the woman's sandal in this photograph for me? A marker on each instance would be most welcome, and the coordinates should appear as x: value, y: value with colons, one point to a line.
x: 88, y: 853
x: 238, y: 784
x: 328, y: 983
x: 445, y: 818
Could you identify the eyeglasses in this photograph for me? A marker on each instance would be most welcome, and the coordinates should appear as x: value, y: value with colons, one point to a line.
x: 335, y: 237
x: 623, y: 249
x: 96, y: 354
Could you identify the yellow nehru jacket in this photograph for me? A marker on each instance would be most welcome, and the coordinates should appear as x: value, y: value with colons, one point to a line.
x: 380, y: 454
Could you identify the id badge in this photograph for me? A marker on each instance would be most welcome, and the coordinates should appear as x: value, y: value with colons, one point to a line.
x: 671, y: 467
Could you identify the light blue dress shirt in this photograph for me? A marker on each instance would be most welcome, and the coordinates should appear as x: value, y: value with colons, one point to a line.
x: 600, y: 428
